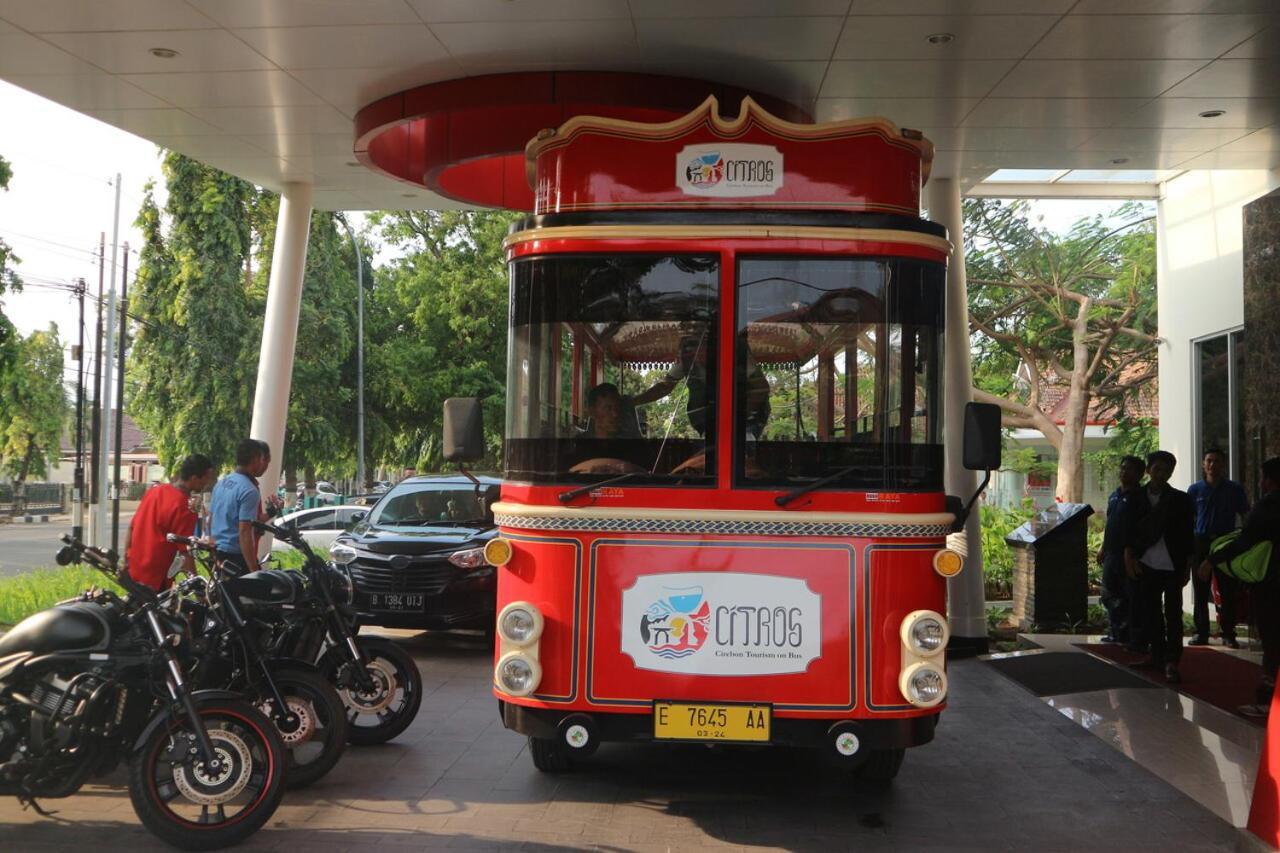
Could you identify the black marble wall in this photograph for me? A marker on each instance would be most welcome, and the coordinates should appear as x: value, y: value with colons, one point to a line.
x: 1261, y: 426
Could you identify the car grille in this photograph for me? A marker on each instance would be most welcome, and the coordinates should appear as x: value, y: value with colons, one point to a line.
x: 429, y: 575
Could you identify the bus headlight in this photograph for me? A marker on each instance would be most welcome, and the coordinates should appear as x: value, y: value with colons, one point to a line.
x: 947, y: 563
x: 517, y: 674
x: 520, y: 623
x: 924, y: 684
x: 925, y: 633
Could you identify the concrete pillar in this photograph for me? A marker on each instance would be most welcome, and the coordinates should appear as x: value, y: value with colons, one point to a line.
x: 966, y: 604
x: 280, y: 327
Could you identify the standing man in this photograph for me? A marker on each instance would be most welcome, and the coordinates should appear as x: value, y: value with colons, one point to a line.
x: 1219, y: 502
x: 1158, y: 556
x: 236, y: 505
x: 1126, y: 504
x: 1262, y: 524
x: 165, y: 509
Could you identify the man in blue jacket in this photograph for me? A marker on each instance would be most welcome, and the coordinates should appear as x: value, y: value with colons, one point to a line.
x: 1219, y: 504
x: 1126, y: 504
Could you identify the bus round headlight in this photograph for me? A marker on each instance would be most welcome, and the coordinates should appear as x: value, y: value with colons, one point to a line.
x: 925, y: 633
x: 517, y: 674
x: 520, y: 623
x: 924, y: 685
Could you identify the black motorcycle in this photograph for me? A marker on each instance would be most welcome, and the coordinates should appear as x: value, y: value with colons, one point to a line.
x: 229, y: 641
x: 377, y: 680
x: 100, y: 679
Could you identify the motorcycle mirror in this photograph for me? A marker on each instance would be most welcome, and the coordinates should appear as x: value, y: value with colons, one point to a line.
x: 342, y: 554
x: 66, y: 556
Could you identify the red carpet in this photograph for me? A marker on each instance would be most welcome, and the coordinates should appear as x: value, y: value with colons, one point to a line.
x: 1224, y: 681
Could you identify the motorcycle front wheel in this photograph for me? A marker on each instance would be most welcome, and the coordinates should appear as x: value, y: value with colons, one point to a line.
x: 317, y: 737
x: 385, y: 709
x: 193, y: 807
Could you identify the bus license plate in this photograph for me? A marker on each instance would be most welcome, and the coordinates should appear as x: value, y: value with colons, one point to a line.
x: 699, y: 722
x: 396, y: 601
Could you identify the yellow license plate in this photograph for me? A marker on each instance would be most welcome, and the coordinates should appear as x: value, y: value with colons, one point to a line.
x: 704, y: 722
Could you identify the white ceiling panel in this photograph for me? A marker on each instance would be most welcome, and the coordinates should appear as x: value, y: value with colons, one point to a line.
x: 735, y: 8
x: 1255, y: 78
x: 455, y: 11
x: 962, y: 78
x: 1114, y: 78
x: 1266, y: 140
x: 6, y: 28
x: 960, y: 7
x: 975, y: 37
x: 225, y: 88
x: 130, y: 53
x: 148, y: 123
x: 539, y: 41
x: 305, y: 13
x: 24, y: 54
x: 53, y: 16
x: 200, y: 147
x: 1264, y: 44
x: 345, y: 47
x: 1157, y: 7
x: 759, y: 38
x: 1233, y: 160
x: 1016, y: 138
x: 320, y: 118
x: 795, y: 81
x: 349, y: 89
x: 905, y: 112
x: 1052, y: 112
x: 1185, y: 112
x: 1161, y: 139
x: 311, y: 145
x: 1147, y: 36
x: 88, y: 91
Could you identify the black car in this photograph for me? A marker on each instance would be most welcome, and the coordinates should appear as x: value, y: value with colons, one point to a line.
x: 420, y: 560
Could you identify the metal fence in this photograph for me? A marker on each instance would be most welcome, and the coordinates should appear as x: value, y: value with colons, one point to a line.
x: 40, y: 498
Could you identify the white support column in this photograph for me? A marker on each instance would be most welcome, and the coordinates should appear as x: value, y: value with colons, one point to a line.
x: 280, y: 327
x: 966, y: 602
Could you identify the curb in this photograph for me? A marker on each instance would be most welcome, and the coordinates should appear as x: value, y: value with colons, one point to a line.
x: 32, y: 519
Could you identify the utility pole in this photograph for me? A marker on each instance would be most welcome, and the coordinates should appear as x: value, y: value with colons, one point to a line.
x: 363, y: 484
x: 105, y: 447
x: 77, y: 526
x: 95, y: 484
x: 124, y: 342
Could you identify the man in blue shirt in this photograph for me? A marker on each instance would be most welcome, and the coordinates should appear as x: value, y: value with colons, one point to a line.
x: 236, y: 505
x: 1126, y: 504
x: 1218, y: 502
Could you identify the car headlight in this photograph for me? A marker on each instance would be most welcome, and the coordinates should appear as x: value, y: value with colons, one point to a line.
x: 924, y: 684
x: 520, y: 623
x: 517, y: 674
x: 925, y: 633
x: 472, y: 558
x: 342, y: 553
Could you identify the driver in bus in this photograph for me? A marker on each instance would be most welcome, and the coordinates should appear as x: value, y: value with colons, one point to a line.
x: 608, y: 414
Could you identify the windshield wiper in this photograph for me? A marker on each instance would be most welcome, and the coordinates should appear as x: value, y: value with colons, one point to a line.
x: 566, y: 497
x: 783, y: 500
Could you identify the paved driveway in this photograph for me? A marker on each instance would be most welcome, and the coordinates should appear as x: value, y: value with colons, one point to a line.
x: 1006, y: 773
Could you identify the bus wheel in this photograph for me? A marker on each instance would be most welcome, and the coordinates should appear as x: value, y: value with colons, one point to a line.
x: 881, y: 765
x: 549, y: 755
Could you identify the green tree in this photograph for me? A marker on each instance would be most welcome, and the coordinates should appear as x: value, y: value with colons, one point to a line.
x: 9, y: 281
x: 33, y: 407
x: 1077, y: 311
x: 436, y: 327
x: 193, y: 361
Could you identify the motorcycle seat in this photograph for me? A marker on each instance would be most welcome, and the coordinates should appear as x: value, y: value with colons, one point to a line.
x: 268, y: 586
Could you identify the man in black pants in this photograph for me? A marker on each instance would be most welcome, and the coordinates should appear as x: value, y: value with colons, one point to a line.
x: 1262, y: 523
x: 1158, y: 556
x: 1219, y: 503
x: 1125, y: 504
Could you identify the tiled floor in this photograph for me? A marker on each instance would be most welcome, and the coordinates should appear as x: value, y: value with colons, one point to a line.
x: 1007, y: 772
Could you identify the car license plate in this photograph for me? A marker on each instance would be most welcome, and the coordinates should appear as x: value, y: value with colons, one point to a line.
x: 705, y: 722
x: 396, y: 600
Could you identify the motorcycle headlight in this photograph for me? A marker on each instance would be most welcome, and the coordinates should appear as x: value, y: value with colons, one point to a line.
x: 341, y: 585
x: 472, y: 558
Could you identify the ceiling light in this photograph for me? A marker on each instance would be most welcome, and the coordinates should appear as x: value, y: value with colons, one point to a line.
x: 1212, y: 113
x: 940, y: 38
x: 163, y: 52
x: 353, y: 163
x: 1119, y: 161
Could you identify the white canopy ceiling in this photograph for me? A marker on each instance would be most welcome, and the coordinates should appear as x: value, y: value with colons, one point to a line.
x: 267, y: 89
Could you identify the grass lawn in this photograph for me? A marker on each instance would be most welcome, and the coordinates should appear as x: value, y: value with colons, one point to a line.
x: 22, y: 595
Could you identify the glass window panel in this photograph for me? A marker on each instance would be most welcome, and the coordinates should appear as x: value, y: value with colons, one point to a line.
x: 1215, y: 410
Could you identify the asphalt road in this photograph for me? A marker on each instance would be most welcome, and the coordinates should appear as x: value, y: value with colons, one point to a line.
x: 24, y: 547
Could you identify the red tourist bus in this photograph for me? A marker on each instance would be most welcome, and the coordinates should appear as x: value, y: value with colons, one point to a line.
x: 722, y: 516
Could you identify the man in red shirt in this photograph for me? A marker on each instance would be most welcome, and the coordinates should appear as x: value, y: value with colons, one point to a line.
x: 165, y: 509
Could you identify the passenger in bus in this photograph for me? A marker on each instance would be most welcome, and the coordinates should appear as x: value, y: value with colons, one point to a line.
x: 691, y: 368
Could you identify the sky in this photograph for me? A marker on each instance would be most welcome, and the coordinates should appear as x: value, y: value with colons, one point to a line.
x: 60, y: 201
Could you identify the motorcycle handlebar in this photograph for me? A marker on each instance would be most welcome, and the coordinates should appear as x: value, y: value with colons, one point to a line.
x: 104, y: 561
x: 189, y: 541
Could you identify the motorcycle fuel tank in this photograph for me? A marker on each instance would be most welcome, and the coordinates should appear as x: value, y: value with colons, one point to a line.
x: 65, y: 628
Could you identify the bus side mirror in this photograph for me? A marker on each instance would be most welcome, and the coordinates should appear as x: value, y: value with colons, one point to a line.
x: 981, y: 436
x: 463, y: 429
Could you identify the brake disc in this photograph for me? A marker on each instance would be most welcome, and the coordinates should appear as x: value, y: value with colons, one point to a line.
x: 211, y: 789
x: 305, y: 713
x: 384, y: 689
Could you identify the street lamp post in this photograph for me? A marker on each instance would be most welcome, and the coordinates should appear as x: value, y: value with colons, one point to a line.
x: 359, y: 356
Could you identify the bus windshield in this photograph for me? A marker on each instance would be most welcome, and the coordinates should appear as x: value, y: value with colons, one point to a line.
x: 612, y: 367
x: 837, y: 369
